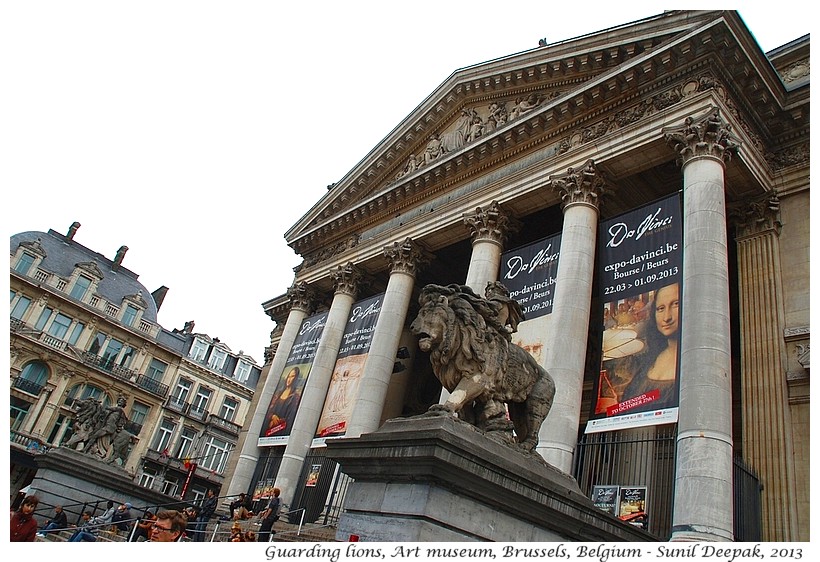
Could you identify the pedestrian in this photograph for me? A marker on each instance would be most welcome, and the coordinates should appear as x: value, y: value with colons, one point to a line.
x: 144, y: 525
x: 23, y: 524
x: 108, y: 514
x: 121, y: 518
x: 169, y: 526
x: 240, y: 507
x: 205, y: 514
x: 59, y: 521
x: 269, y: 516
x: 87, y: 531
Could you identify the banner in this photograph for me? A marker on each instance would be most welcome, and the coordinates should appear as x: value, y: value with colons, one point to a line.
x: 641, y: 262
x: 529, y: 274
x: 288, y: 393
x: 347, y: 373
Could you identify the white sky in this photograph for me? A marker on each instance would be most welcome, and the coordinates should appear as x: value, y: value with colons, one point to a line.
x: 197, y: 133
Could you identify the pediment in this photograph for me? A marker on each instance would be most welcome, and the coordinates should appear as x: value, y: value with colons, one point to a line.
x: 502, y: 107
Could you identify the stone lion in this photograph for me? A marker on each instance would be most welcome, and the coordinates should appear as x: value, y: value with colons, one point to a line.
x: 483, y: 371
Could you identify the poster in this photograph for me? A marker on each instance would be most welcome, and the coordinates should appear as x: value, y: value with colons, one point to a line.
x: 632, y: 505
x: 606, y: 498
x: 347, y: 372
x: 529, y: 273
x: 313, y: 475
x: 640, y: 268
x: 287, y: 395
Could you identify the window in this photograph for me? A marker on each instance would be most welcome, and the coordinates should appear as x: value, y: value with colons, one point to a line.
x: 97, y: 343
x: 215, y: 455
x: 186, y: 443
x: 80, y: 288
x: 24, y: 263
x: 111, y: 351
x: 198, y: 350
x: 200, y: 403
x: 156, y: 370
x: 147, y: 478
x: 181, y: 392
x: 19, y: 409
x: 44, y: 316
x: 228, y: 411
x: 75, y: 334
x: 20, y: 307
x: 129, y: 315
x: 242, y: 371
x: 170, y: 486
x: 163, y: 437
x: 139, y: 412
x: 59, y: 327
x: 127, y: 356
x: 217, y: 359
x: 33, y: 377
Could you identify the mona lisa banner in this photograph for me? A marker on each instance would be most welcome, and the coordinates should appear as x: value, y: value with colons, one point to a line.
x: 640, y: 266
x: 288, y: 393
x: 347, y: 373
x: 529, y: 273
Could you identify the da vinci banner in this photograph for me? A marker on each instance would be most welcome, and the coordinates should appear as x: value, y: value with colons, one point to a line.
x: 347, y: 373
x: 641, y: 261
x: 288, y: 393
x: 529, y: 274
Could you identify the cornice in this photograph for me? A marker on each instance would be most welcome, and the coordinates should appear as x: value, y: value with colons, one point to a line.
x: 613, y: 82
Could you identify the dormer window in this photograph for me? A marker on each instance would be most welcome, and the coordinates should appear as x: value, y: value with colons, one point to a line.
x: 129, y: 315
x: 198, y: 350
x: 217, y: 359
x: 24, y: 263
x: 80, y: 288
x: 242, y: 371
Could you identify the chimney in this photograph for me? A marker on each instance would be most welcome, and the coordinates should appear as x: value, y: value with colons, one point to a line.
x: 118, y: 258
x: 159, y: 296
x: 75, y: 226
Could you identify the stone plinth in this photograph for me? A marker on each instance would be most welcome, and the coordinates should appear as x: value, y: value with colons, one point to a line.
x: 69, y: 478
x: 437, y: 479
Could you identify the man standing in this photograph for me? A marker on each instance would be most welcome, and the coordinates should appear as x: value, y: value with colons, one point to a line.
x: 269, y: 516
x: 205, y: 514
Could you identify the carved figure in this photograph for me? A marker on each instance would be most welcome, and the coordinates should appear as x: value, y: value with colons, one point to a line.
x: 95, y: 426
x: 485, y: 374
x: 87, y: 411
x: 120, y: 447
x: 508, y: 310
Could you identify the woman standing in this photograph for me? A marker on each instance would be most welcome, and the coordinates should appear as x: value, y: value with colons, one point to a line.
x: 23, y: 524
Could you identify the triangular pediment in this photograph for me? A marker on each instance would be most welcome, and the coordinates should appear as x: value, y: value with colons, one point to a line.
x: 501, y: 107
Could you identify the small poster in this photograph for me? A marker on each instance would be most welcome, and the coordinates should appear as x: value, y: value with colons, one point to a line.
x: 313, y: 475
x: 632, y: 505
x: 605, y: 498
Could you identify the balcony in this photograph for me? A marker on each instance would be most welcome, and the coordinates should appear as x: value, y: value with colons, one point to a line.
x: 198, y: 413
x: 177, y: 405
x: 224, y: 425
x: 28, y: 386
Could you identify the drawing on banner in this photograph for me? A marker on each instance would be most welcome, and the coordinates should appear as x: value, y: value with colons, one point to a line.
x: 344, y: 387
x: 285, y: 403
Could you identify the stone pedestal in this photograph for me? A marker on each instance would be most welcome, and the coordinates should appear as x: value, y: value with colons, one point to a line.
x: 437, y: 479
x: 69, y: 478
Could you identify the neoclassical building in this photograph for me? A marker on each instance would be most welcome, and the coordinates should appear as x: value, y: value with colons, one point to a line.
x: 572, y: 159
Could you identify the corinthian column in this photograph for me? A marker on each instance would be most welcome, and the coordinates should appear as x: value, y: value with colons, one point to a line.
x: 404, y: 258
x: 703, y: 478
x: 346, y: 280
x: 489, y: 229
x: 764, y: 396
x: 301, y: 301
x: 580, y: 191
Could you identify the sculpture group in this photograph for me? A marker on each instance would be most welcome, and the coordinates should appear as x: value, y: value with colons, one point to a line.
x: 468, y: 338
x: 99, y: 431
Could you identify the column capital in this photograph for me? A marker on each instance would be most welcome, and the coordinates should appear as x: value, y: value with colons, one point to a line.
x: 490, y: 224
x: 406, y: 256
x: 757, y: 216
x: 301, y: 296
x: 346, y: 279
x: 583, y: 185
x: 706, y: 135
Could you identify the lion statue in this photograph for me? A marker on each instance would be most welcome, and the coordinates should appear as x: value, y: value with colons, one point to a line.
x: 485, y: 374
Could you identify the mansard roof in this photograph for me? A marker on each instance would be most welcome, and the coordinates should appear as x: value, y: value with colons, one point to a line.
x: 63, y: 255
x: 540, y: 93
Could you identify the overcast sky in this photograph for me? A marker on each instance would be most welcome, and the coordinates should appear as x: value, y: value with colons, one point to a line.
x: 198, y: 133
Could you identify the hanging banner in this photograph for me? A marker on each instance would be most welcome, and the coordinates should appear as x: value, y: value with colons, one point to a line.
x: 641, y: 262
x: 529, y: 274
x: 347, y: 373
x: 288, y: 393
